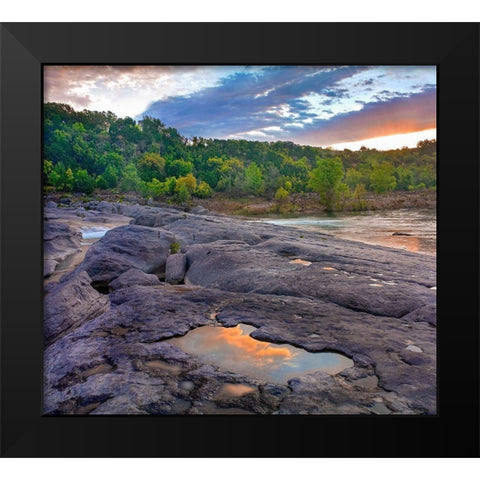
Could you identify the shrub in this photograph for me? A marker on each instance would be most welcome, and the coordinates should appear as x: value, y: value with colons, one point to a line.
x: 175, y: 247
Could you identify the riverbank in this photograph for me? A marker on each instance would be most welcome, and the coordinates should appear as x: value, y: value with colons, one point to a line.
x: 251, y: 206
x: 109, y: 322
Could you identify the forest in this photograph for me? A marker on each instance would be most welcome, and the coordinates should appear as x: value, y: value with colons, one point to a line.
x: 89, y: 151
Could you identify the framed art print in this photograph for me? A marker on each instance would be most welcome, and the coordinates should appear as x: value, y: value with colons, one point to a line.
x: 246, y: 239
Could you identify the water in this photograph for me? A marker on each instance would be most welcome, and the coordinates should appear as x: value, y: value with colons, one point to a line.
x: 233, y: 349
x: 89, y: 233
x: 408, y: 229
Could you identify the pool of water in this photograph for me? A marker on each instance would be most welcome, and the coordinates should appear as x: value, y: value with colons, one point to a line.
x: 233, y: 349
x: 89, y: 233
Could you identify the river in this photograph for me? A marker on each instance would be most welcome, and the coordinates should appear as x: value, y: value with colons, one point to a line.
x: 408, y: 229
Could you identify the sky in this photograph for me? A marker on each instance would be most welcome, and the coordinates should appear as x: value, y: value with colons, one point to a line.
x: 383, y: 107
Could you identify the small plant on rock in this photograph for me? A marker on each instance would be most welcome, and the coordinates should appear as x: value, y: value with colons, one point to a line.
x: 175, y: 247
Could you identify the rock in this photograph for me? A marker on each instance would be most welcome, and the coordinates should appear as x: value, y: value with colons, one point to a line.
x: 175, y: 268
x: 59, y: 242
x: 126, y: 247
x: 70, y: 304
x: 49, y: 267
x: 426, y: 313
x: 112, y: 354
x: 199, y: 210
x: 414, y: 348
x: 51, y: 204
x: 133, y: 277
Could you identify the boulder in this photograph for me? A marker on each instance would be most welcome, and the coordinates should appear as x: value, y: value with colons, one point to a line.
x: 59, y: 242
x: 134, y: 277
x: 175, y: 268
x: 199, y: 210
x: 126, y: 247
x: 71, y: 303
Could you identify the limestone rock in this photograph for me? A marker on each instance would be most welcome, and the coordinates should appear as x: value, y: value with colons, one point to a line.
x: 71, y: 303
x: 133, y: 277
x: 175, y: 268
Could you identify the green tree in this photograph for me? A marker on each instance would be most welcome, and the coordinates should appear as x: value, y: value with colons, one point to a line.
x: 109, y: 159
x: 83, y: 182
x: 151, y: 165
x: 359, y: 201
x: 382, y: 178
x: 404, y: 176
x: 281, y: 199
x: 353, y: 177
x: 326, y: 180
x: 189, y: 181
x: 131, y: 181
x: 254, y: 182
x: 231, y: 176
x: 110, y: 176
x: 203, y: 190
x: 61, y: 178
x: 101, y: 183
x: 178, y: 168
x: 182, y: 194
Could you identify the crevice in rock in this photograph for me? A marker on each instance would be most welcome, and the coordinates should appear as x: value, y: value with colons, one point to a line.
x: 101, y: 287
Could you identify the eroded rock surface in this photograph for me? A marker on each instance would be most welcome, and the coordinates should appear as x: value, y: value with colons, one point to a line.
x: 108, y: 322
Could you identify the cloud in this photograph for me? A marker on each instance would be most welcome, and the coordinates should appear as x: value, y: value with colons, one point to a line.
x: 126, y: 90
x: 249, y: 101
x: 398, y: 115
x: 318, y: 105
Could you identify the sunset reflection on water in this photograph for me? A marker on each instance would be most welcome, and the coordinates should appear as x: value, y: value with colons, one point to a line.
x: 233, y: 349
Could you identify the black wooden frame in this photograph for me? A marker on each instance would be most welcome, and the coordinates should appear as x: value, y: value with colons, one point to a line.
x: 453, y: 47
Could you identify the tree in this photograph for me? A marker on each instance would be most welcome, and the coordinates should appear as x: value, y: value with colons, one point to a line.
x: 382, y: 179
x: 254, y: 182
x: 182, y: 194
x: 131, y: 182
x: 101, y: 183
x: 404, y: 177
x: 178, y: 168
x: 110, y: 176
x: 203, y: 190
x: 359, y: 201
x: 83, y: 182
x: 353, y: 177
x: 110, y: 159
x: 326, y: 179
x: 61, y: 178
x: 189, y: 181
x: 151, y: 165
x: 281, y: 197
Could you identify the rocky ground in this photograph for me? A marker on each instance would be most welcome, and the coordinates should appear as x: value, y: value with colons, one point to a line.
x: 109, y: 319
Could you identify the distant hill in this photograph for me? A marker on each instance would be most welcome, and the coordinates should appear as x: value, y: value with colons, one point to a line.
x: 90, y: 150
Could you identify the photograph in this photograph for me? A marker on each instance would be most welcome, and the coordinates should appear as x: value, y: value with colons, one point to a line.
x: 239, y: 239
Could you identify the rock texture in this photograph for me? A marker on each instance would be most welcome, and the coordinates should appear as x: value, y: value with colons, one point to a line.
x: 175, y: 268
x: 59, y: 242
x: 109, y: 321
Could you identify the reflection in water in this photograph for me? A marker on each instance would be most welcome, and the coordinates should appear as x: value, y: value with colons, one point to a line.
x: 233, y: 349
x: 409, y: 229
x: 229, y: 390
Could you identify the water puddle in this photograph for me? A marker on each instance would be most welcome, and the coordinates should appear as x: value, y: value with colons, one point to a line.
x: 89, y: 233
x: 231, y: 390
x: 299, y: 261
x: 233, y: 349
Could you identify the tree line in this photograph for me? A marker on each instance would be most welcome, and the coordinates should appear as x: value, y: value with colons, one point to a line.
x: 88, y: 150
